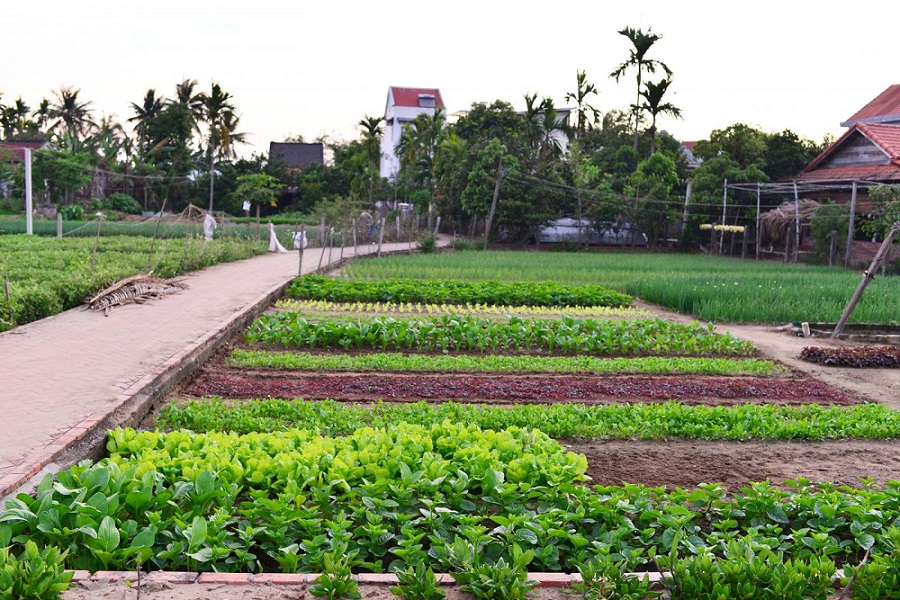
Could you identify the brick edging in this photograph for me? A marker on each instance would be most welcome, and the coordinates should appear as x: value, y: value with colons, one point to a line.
x: 545, y: 580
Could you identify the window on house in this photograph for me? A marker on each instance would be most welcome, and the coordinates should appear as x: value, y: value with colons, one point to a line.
x: 426, y: 101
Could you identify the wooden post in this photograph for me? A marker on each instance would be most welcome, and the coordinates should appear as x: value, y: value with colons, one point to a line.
x: 868, y: 276
x: 353, y: 222
x: 796, y: 224
x: 300, y: 250
x: 788, y: 234
x: 96, y: 241
x: 724, y: 208
x: 380, y: 236
x: 322, y: 254
x: 58, y: 225
x: 757, y: 220
x: 6, y: 288
x: 687, y: 201
x: 398, y: 228
x: 437, y: 226
x: 850, y: 232
x: 487, y: 226
x: 322, y: 232
x: 744, y: 243
x: 330, y: 245
x: 832, y: 252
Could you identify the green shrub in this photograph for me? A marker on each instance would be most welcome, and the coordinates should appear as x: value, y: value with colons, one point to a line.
x: 122, y: 203
x: 462, y: 244
x: 71, y: 212
x: 428, y: 245
x: 34, y: 574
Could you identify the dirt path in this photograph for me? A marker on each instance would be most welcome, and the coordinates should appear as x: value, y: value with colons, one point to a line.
x: 871, y: 385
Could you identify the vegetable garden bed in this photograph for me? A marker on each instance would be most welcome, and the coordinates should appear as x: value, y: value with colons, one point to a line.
x: 509, y: 389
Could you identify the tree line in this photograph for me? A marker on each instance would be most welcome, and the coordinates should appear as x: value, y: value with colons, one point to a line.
x: 613, y: 167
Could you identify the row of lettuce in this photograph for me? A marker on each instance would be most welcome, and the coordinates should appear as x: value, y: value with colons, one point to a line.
x: 449, y: 497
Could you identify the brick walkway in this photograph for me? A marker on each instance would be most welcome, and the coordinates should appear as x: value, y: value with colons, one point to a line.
x: 67, y: 378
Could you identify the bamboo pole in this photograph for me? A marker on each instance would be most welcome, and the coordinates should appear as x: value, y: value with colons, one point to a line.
x: 758, y: 192
x: 487, y: 226
x: 868, y: 276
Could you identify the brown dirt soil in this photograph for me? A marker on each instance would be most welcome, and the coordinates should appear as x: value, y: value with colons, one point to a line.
x: 168, y: 591
x: 686, y: 463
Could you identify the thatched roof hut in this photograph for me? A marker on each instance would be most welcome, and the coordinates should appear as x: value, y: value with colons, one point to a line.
x: 776, y: 223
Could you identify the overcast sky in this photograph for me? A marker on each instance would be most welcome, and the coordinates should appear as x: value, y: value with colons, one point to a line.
x: 313, y: 68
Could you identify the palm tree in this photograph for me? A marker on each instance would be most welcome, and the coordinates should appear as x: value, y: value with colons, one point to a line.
x: 42, y: 114
x: 585, y: 113
x: 371, y: 130
x: 72, y: 115
x: 640, y: 44
x: 216, y: 108
x: 145, y: 113
x: 653, y: 94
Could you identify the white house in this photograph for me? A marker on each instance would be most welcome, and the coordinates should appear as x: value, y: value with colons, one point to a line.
x: 402, y: 107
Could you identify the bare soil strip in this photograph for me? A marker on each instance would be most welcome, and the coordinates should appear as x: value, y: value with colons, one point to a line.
x: 686, y: 463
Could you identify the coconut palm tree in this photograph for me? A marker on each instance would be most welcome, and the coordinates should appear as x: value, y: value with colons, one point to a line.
x: 71, y: 114
x: 653, y: 94
x: 218, y: 114
x: 372, y: 131
x: 641, y: 43
x: 585, y: 114
x: 144, y: 113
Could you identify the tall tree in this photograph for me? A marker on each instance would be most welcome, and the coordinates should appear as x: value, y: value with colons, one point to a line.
x: 641, y: 43
x: 217, y: 109
x: 585, y: 114
x: 144, y: 114
x: 371, y: 130
x: 71, y: 114
x: 653, y: 104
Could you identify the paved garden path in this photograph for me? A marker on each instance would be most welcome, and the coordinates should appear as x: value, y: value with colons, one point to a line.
x: 68, y: 377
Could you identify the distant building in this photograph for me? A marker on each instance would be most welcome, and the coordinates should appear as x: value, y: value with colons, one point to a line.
x: 869, y: 150
x: 13, y: 153
x: 402, y: 107
x: 297, y: 155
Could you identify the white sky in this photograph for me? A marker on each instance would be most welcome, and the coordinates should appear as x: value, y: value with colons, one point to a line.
x: 311, y: 68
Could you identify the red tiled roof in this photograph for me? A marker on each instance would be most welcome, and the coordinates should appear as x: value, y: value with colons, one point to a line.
x: 887, y: 103
x: 410, y: 96
x: 18, y: 148
x: 886, y: 137
x: 860, y: 173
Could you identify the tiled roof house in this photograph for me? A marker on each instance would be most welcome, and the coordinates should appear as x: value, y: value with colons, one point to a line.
x: 868, y: 151
x: 403, y: 105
